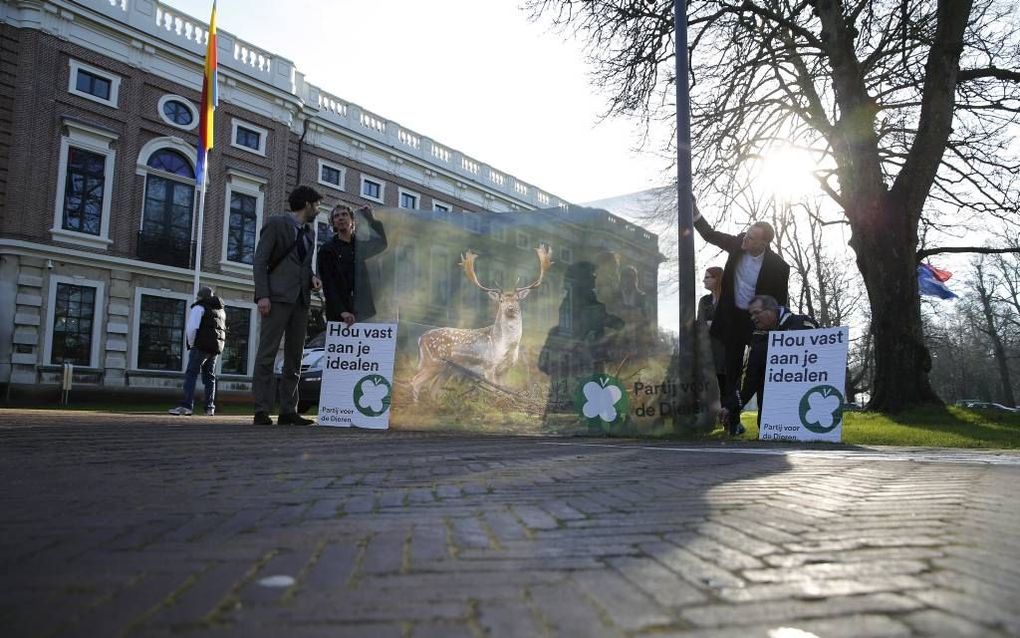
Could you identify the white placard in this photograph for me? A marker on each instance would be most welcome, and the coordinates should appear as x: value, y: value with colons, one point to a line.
x: 357, y: 375
x: 805, y: 378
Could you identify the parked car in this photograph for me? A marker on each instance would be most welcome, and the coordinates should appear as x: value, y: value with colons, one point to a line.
x: 311, y: 371
x: 984, y: 405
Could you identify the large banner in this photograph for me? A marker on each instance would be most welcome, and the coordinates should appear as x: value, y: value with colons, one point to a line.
x: 357, y: 375
x: 805, y: 375
x: 526, y: 322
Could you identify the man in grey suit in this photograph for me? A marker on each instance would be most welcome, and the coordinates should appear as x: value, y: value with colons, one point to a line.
x: 283, y: 287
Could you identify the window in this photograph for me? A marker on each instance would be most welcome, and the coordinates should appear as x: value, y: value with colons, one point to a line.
x: 242, y: 220
x: 83, y: 191
x: 566, y: 255
x: 523, y: 241
x: 372, y: 189
x: 408, y: 199
x: 74, y: 310
x: 441, y: 207
x: 165, y: 237
x: 93, y: 84
x: 82, y: 211
x: 407, y: 269
x: 241, y: 230
x: 161, y: 332
x: 177, y: 111
x: 235, y: 350
x: 248, y: 137
x: 331, y: 175
x: 567, y: 311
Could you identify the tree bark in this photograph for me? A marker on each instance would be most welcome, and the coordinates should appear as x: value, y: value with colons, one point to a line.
x: 885, y: 257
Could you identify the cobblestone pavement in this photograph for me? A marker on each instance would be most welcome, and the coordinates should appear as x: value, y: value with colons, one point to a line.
x: 153, y: 526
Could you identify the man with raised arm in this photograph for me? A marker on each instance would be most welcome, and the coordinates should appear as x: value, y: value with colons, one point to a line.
x: 752, y: 268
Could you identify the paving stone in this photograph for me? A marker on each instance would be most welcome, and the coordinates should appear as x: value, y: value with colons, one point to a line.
x: 164, y: 531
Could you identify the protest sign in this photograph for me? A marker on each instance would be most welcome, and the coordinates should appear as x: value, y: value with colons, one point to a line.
x: 357, y: 375
x: 805, y: 376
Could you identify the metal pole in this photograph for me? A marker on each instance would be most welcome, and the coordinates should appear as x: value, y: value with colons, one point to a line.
x: 687, y: 335
x: 199, y: 233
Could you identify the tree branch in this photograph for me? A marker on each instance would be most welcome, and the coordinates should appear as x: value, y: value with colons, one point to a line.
x: 989, y: 72
x: 983, y: 250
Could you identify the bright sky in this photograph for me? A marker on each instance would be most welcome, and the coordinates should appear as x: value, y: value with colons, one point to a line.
x: 474, y: 76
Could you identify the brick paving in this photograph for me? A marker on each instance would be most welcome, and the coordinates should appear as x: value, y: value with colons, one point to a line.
x: 118, y: 525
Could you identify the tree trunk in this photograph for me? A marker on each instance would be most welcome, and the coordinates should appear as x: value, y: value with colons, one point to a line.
x: 885, y: 256
x: 993, y: 334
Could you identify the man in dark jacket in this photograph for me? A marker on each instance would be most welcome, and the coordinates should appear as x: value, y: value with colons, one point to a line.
x: 752, y: 268
x: 767, y: 315
x: 206, y: 332
x: 345, y: 282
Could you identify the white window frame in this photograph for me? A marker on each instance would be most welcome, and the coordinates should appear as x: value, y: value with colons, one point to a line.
x: 98, y: 317
x: 382, y: 189
x: 186, y: 102
x: 263, y: 136
x: 252, y: 336
x: 246, y: 184
x: 72, y: 83
x: 447, y: 208
x: 136, y: 326
x: 400, y: 197
x: 336, y: 167
x: 98, y: 141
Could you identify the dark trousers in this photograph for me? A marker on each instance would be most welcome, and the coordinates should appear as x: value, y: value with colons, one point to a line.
x: 736, y: 343
x: 287, y: 321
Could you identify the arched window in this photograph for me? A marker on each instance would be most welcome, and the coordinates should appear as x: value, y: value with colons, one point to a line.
x: 165, y: 236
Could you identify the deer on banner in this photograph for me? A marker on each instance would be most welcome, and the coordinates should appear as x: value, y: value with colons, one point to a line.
x: 487, y: 352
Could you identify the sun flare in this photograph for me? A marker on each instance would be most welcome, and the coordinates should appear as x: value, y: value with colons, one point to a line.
x: 785, y: 172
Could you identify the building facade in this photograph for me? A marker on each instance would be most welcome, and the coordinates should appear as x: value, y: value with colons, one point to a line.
x: 98, y: 135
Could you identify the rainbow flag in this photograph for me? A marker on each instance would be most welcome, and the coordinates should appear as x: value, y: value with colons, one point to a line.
x: 210, y: 98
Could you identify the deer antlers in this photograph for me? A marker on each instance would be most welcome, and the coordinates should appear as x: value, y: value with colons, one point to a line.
x: 544, y: 262
x: 467, y: 261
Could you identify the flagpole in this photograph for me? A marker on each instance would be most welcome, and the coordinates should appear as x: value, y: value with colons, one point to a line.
x: 199, y: 235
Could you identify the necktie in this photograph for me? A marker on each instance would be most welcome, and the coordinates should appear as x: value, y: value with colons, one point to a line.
x: 302, y: 250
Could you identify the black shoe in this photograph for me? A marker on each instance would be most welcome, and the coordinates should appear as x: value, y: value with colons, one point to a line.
x: 262, y: 418
x: 293, y: 419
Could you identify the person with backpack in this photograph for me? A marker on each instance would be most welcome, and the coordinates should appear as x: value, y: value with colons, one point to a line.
x: 206, y: 332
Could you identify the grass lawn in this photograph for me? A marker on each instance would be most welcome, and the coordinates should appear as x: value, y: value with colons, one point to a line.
x: 951, y: 426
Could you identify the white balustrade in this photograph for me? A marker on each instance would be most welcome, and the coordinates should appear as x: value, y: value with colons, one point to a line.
x: 470, y: 166
x: 496, y: 178
x: 372, y: 122
x: 252, y: 57
x: 542, y: 198
x: 409, y: 138
x: 180, y: 25
x: 332, y: 104
x: 521, y: 189
x: 441, y: 153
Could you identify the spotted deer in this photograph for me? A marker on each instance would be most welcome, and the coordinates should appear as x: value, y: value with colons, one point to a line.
x: 487, y: 352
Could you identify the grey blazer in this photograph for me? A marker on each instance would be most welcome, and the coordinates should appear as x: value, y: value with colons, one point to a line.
x: 291, y: 281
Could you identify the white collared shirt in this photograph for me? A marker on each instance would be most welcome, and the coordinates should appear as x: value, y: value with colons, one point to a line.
x: 746, y: 279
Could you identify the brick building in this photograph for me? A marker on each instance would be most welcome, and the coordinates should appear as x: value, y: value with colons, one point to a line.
x: 98, y: 134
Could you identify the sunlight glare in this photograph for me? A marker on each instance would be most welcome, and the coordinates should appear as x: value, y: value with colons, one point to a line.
x: 786, y: 173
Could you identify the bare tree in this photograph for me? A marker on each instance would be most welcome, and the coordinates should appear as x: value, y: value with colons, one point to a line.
x: 908, y: 105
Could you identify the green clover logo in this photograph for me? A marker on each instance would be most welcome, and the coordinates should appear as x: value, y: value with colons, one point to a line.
x: 602, y: 399
x: 372, y: 395
x: 821, y: 409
